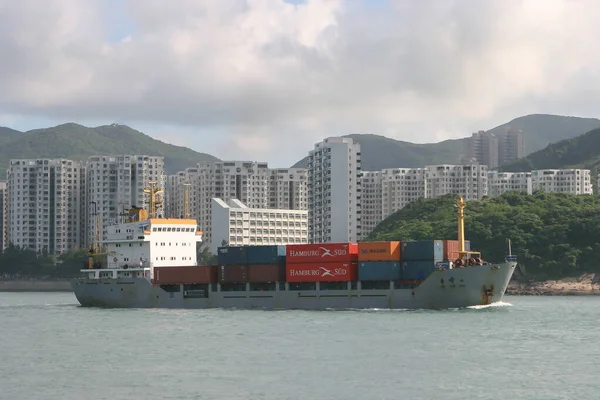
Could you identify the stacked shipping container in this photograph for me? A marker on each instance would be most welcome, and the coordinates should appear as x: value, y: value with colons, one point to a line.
x: 419, y: 258
x: 328, y: 262
x: 254, y: 264
x: 379, y: 261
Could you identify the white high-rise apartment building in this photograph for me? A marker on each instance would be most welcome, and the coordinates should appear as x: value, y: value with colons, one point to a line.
x: 238, y: 225
x: 371, y: 201
x: 334, y: 191
x: 483, y: 147
x: 575, y: 181
x: 501, y: 182
x: 45, y: 204
x: 469, y: 181
x: 175, y: 194
x: 510, y: 146
x: 495, y: 149
x: 401, y: 186
x: 288, y: 189
x: 115, y: 184
x: 252, y: 183
x: 3, y: 198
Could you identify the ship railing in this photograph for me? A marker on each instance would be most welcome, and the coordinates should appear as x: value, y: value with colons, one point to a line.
x: 133, y: 265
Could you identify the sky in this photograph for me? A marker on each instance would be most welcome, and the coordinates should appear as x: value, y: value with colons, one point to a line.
x: 264, y: 80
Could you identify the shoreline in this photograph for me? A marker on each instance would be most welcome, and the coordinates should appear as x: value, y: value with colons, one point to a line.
x: 34, y: 285
x: 585, y: 285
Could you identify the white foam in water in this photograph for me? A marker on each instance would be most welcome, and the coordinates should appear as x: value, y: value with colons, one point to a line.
x: 496, y: 304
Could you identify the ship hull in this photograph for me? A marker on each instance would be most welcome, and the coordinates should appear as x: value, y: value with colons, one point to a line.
x: 455, y: 288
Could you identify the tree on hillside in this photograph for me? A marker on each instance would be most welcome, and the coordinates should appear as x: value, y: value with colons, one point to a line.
x: 553, y: 234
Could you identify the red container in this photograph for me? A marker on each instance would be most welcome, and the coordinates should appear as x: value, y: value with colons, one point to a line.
x: 451, y: 249
x: 185, y: 275
x: 233, y: 273
x: 319, y: 253
x: 261, y: 273
x: 322, y: 272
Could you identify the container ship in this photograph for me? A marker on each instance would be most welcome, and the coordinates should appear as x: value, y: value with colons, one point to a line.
x: 149, y: 262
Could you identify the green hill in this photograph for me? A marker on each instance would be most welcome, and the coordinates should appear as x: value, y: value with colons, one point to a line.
x: 580, y: 152
x: 539, y: 130
x: 379, y: 152
x: 553, y: 234
x: 78, y: 142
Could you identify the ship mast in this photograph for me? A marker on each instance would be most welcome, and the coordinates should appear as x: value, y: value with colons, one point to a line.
x: 460, y: 205
x: 186, y: 200
x: 95, y: 242
x: 153, y: 202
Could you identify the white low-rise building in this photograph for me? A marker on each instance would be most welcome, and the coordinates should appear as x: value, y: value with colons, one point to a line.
x: 501, y: 182
x: 253, y: 183
x: 235, y: 224
x: 575, y: 181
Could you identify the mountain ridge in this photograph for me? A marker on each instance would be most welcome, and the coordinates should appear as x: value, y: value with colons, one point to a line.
x: 379, y: 152
x: 77, y: 142
x: 580, y: 152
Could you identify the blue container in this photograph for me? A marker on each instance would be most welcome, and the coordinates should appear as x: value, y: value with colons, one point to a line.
x: 422, y: 250
x: 274, y: 254
x: 232, y: 255
x: 418, y: 270
x: 379, y: 271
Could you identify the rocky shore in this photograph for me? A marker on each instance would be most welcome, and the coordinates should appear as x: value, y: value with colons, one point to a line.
x: 585, y: 285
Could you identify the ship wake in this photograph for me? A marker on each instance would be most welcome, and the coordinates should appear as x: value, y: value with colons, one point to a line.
x: 492, y: 305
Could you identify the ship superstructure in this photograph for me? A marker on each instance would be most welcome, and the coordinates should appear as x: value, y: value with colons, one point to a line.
x: 143, y: 242
x: 151, y: 262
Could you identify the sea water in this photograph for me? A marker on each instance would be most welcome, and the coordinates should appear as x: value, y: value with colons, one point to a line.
x: 525, y: 348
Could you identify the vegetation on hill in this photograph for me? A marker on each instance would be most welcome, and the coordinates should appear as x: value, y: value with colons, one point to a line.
x: 379, y: 152
x: 17, y: 263
x: 580, y: 152
x: 553, y: 234
x: 78, y: 142
x: 539, y: 130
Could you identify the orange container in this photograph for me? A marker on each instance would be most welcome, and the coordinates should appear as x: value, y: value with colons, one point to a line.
x: 379, y: 251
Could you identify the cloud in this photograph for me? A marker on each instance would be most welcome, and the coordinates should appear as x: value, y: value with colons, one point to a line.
x: 265, y: 79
